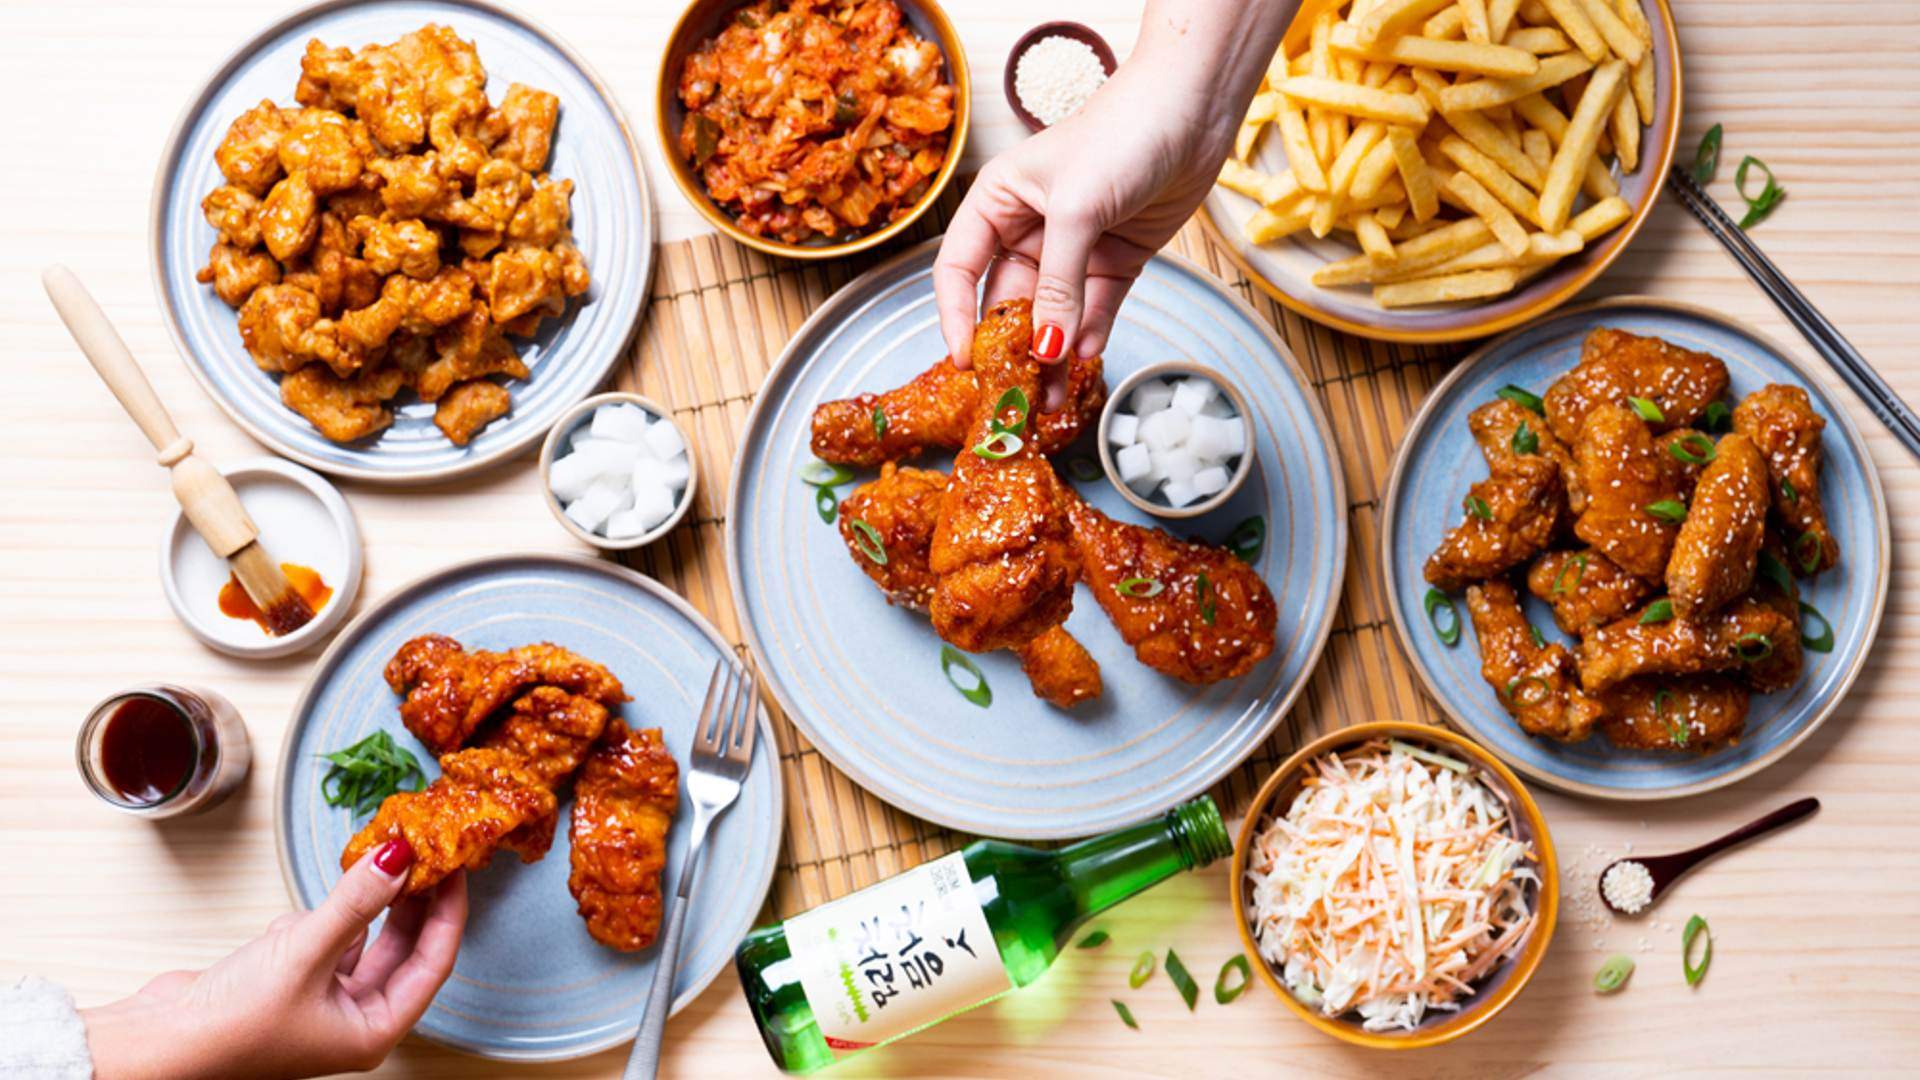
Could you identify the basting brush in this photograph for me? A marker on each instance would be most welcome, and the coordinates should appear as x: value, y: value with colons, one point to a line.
x: 208, y: 500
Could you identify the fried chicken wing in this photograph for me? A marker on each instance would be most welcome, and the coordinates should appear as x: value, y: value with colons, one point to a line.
x: 450, y: 691
x: 1697, y: 713
x: 1719, y: 543
x: 1615, y: 365
x: 1746, y: 636
x: 1509, y: 517
x: 1505, y: 429
x: 1585, y: 589
x: 1621, y: 470
x: 1536, y: 684
x: 1678, y: 449
x: 1003, y: 553
x: 623, y: 805
x: 1212, y: 618
x: 1781, y: 422
x: 552, y: 732
x: 459, y: 820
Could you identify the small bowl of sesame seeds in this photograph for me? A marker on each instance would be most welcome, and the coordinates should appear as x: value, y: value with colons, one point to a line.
x: 1053, y: 69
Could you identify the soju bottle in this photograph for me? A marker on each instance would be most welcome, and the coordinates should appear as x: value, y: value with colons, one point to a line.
x: 950, y: 934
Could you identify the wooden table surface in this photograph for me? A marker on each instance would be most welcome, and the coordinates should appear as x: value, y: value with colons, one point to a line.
x: 1817, y: 930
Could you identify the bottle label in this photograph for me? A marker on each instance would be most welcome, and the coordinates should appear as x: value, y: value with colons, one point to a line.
x: 896, y: 956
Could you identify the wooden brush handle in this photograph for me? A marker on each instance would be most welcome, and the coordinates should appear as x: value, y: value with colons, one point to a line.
x: 205, y: 495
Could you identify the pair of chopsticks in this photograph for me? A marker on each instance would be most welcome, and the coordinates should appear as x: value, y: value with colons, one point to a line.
x: 1821, y: 334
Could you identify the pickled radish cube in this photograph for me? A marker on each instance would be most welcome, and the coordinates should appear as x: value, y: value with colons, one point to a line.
x: 1145, y: 486
x: 1164, y: 430
x: 1210, y: 481
x: 653, y: 501
x: 608, y: 456
x: 1220, y: 406
x: 1134, y: 463
x: 1179, y: 465
x: 571, y: 476
x: 1191, y: 395
x: 1217, y: 438
x: 652, y: 473
x: 1151, y: 397
x: 1179, y: 493
x: 590, y: 511
x: 676, y: 472
x: 625, y: 525
x: 581, y: 434
x: 1124, y: 430
x: 626, y: 423
x: 664, y: 439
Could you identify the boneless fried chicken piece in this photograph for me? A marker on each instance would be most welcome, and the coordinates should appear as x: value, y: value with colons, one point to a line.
x: 1781, y: 422
x: 1505, y: 429
x: 472, y: 348
x: 468, y: 407
x: 324, y: 145
x: 556, y: 666
x: 274, y: 323
x: 457, y: 822
x: 407, y: 247
x: 234, y: 213
x: 1620, y: 468
x: 249, y: 156
x: 552, y: 732
x: 623, y: 805
x: 1698, y: 713
x: 1535, y: 683
x: 342, y: 409
x: 450, y: 691
x: 1003, y: 553
x: 1719, y: 543
x: 235, y: 272
x: 1615, y: 365
x: 1746, y: 636
x: 1509, y: 517
x: 520, y: 128
x: 1212, y: 618
x: 290, y: 217
x: 1585, y: 588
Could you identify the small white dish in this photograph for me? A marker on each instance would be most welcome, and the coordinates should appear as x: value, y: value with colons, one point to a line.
x: 561, y: 435
x: 1120, y: 402
x: 302, y: 519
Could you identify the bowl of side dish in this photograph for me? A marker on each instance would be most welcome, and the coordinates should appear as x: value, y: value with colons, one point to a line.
x: 1175, y: 440
x: 618, y: 472
x: 1492, y: 942
x: 913, y: 139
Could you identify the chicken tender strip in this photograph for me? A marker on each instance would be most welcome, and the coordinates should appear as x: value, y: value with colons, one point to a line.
x: 1781, y: 422
x: 1719, y: 543
x: 1585, y: 589
x: 1747, y: 636
x: 1615, y: 365
x: 449, y: 691
x: 459, y: 820
x: 1620, y: 467
x: 1536, y: 684
x: 552, y: 731
x: 1697, y: 713
x: 1508, y: 518
x: 623, y: 805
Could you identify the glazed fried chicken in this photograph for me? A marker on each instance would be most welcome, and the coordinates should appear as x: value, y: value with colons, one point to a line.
x: 902, y: 507
x: 1676, y: 448
x: 481, y: 797
x: 469, y: 407
x: 1585, y: 589
x: 568, y: 670
x: 1535, y: 683
x: 1621, y: 470
x: 1698, y: 713
x: 1509, y: 517
x: 1002, y: 552
x: 1505, y: 430
x: 1747, y: 636
x: 1615, y: 365
x: 1212, y: 617
x: 933, y: 411
x: 1782, y: 424
x: 1719, y: 543
x: 551, y: 730
x: 623, y: 805
x: 450, y: 690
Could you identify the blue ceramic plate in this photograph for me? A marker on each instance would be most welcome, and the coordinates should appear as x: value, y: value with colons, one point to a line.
x: 863, y: 680
x: 1438, y: 459
x: 530, y: 984
x: 613, y: 223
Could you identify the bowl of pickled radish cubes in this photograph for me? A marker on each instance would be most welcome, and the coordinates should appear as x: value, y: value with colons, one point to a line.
x: 618, y: 471
x: 1174, y: 438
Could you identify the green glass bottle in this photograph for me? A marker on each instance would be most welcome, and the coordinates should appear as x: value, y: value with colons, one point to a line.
x: 949, y: 934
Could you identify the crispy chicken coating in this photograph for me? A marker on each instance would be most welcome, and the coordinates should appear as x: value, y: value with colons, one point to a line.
x: 1781, y: 422
x: 234, y: 213
x: 324, y: 145
x: 552, y: 732
x: 1509, y: 517
x: 1535, y: 683
x: 623, y: 805
x: 1585, y: 589
x: 1615, y: 365
x: 1719, y: 543
x: 342, y: 409
x: 520, y: 130
x: 1621, y: 470
x: 450, y: 691
x: 249, y: 156
x: 1676, y: 448
x: 459, y: 820
x: 1746, y: 636
x: 1504, y: 429
x: 554, y: 665
x: 468, y: 407
x: 235, y: 272
x: 1697, y: 713
x: 290, y: 217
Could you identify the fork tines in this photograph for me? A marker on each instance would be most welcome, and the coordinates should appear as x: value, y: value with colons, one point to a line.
x: 727, y: 720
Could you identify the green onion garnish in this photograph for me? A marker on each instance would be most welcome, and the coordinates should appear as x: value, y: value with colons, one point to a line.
x: 1787, y: 489
x: 1579, y: 566
x: 1203, y: 592
x: 1776, y: 571
x: 1000, y: 444
x: 821, y: 474
x: 1758, y: 206
x: 1539, y: 639
x: 1676, y: 731
x: 1477, y: 507
x: 1143, y: 587
x: 1224, y: 994
x: 1648, y: 410
x: 1823, y: 642
x: 879, y: 422
x: 1752, y: 648
x: 1083, y: 468
x: 1247, y: 538
x: 1706, y: 161
x: 1672, y: 510
x: 1525, y: 683
x: 1696, y: 927
x: 1016, y: 400
x: 1694, y: 449
x: 1522, y: 398
x: 1806, y: 551
x: 1450, y: 633
x: 1126, y: 1014
x: 1717, y: 417
x: 1093, y: 940
x: 364, y: 774
x: 1657, y: 612
x: 826, y: 504
x: 1615, y: 970
x: 979, y: 693
x: 1142, y: 971
x: 1182, y: 980
x: 868, y: 538
x: 1524, y: 440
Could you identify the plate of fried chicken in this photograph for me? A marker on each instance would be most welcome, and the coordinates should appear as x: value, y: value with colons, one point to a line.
x: 550, y: 702
x: 962, y: 614
x: 1636, y: 549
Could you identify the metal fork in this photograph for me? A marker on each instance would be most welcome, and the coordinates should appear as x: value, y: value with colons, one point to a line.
x: 722, y: 750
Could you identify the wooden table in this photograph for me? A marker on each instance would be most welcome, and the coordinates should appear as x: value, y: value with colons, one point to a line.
x: 1817, y: 930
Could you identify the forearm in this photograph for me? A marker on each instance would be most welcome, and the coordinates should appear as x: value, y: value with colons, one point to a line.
x: 136, y: 1039
x: 1210, y: 53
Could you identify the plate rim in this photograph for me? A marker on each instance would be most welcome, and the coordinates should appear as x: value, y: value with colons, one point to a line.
x: 156, y: 211
x: 790, y: 359
x: 384, y: 606
x: 1403, y: 627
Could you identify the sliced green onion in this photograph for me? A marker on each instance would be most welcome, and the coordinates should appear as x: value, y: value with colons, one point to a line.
x: 1083, y: 468
x: 1745, y: 648
x: 1776, y: 571
x: 1671, y: 510
x: 979, y: 693
x: 821, y: 474
x: 1616, y: 969
x: 1539, y: 639
x: 1676, y: 731
x: 1142, y: 971
x: 1524, y: 440
x: 1522, y: 398
x: 1525, y: 683
x: 1477, y: 507
x: 868, y: 538
x: 826, y: 504
x: 1657, y: 612
x: 1694, y: 449
x: 361, y: 776
x: 1143, y: 587
x: 1247, y: 538
x: 1182, y: 979
x: 1000, y: 444
x: 1126, y: 1014
x: 1717, y: 417
x: 1203, y: 592
x: 1579, y: 566
x: 1419, y: 753
x: 1787, y: 489
x: 1706, y: 159
x: 1648, y: 410
x: 1093, y: 940
x: 1823, y: 642
x: 1016, y: 400
x: 1696, y: 927
x: 1758, y: 206
x: 879, y: 422
x: 1806, y: 551
x: 1450, y: 633
x: 1224, y: 994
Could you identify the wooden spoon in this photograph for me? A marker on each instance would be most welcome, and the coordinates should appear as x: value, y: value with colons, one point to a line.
x: 1666, y: 869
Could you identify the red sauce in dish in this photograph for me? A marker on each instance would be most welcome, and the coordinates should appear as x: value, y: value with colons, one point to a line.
x: 147, y: 750
x: 235, y: 603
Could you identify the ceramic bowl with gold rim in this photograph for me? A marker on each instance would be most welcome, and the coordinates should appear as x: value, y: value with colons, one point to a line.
x: 1493, y: 991
x: 1283, y: 269
x: 700, y: 23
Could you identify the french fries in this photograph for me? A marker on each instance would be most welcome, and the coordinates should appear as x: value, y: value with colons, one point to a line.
x: 1432, y: 136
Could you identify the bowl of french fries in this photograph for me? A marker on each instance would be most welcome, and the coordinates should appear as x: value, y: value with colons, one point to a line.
x: 1437, y: 170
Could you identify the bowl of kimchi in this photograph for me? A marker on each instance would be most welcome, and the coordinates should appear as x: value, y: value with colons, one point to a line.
x: 813, y: 128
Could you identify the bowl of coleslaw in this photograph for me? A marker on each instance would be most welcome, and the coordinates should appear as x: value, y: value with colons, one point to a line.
x: 1395, y: 885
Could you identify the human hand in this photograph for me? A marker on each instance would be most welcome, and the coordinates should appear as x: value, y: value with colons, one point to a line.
x: 309, y: 996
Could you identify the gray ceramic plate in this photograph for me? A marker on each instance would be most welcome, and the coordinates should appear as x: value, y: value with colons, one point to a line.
x: 530, y: 984
x: 613, y: 223
x: 863, y: 680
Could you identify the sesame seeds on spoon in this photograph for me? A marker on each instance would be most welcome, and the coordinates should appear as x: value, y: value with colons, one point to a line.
x: 1631, y: 886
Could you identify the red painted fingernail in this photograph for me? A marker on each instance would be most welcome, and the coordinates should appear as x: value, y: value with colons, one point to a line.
x: 1048, y: 341
x: 393, y: 858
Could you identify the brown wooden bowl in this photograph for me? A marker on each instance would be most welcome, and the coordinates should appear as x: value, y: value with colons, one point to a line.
x: 1080, y: 32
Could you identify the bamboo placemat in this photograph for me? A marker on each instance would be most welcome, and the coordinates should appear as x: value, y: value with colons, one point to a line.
x: 719, y: 316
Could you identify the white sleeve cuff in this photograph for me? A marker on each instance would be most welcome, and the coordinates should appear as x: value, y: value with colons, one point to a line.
x: 41, y: 1034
